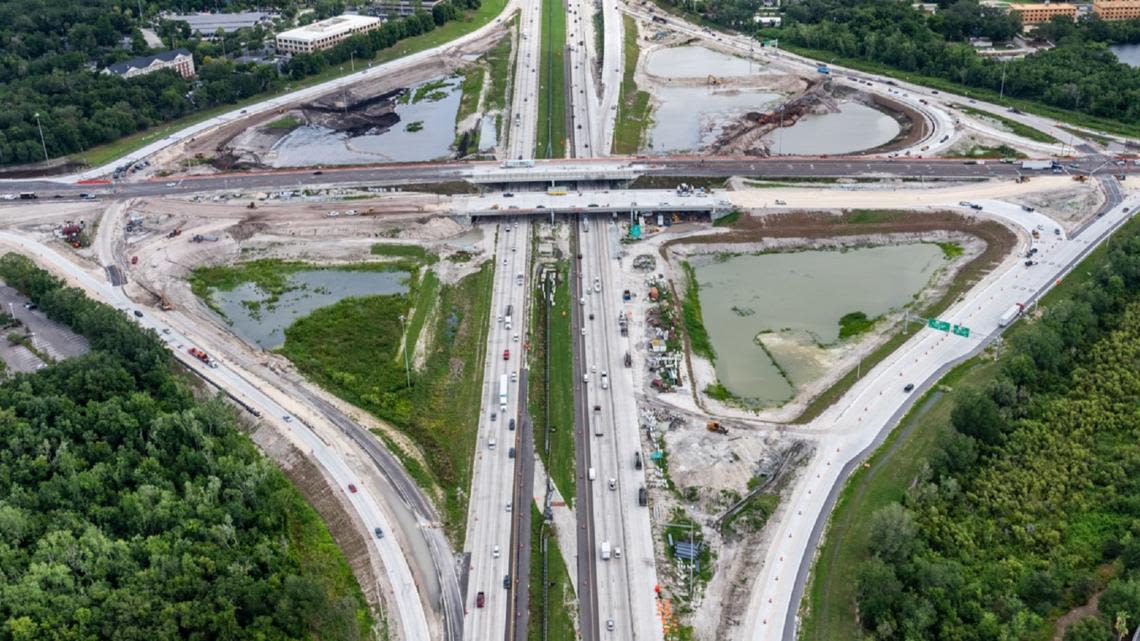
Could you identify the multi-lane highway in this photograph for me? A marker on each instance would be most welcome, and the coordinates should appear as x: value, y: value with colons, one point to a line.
x: 623, y: 584
x: 494, y: 489
x: 524, y: 101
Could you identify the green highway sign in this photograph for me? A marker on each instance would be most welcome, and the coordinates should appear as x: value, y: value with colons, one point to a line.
x: 940, y: 325
x: 962, y: 330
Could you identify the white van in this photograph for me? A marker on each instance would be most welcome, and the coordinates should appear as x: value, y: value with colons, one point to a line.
x: 491, y: 444
x: 592, y: 474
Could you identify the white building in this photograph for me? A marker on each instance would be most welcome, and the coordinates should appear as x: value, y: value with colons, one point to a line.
x: 324, y: 34
x: 179, y: 60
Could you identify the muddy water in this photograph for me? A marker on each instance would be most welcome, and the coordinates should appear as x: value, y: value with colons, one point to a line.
x: 695, y: 62
x: 792, y: 302
x: 689, y: 118
x: 855, y: 127
x: 312, y: 145
x: 1128, y: 54
x: 264, y: 325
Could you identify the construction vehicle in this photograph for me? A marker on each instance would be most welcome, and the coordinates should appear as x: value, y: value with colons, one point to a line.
x: 134, y: 260
x: 251, y: 205
x: 177, y: 231
x: 202, y: 356
x: 625, y: 295
x: 713, y: 80
x: 1011, y: 314
x: 715, y: 426
x: 165, y: 303
x: 203, y: 238
x: 1080, y: 178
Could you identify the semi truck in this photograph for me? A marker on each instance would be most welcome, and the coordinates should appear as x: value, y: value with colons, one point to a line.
x: 605, y: 550
x: 503, y: 389
x: 507, y: 316
x: 1011, y: 314
x: 1037, y: 164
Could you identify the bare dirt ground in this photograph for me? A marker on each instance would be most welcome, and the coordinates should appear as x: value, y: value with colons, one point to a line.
x: 1070, y: 207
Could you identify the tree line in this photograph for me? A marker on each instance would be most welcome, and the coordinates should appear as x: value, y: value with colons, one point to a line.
x: 52, y: 56
x: 1031, y: 503
x: 131, y: 510
x: 1079, y: 74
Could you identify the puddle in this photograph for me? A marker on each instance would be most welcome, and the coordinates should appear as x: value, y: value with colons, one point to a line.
x: 264, y: 325
x: 1128, y: 54
x: 403, y: 142
x: 689, y: 118
x: 792, y: 302
x: 854, y: 128
x: 696, y: 62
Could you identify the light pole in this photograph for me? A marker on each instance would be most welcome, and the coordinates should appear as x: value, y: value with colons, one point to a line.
x: 407, y: 370
x: 41, y: 128
x: 1001, y: 95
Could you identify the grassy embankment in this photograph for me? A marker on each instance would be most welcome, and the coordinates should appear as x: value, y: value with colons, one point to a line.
x: 1023, y: 130
x: 354, y: 348
x: 550, y: 139
x: 889, y: 473
x: 560, y: 623
x: 988, y: 95
x: 633, y: 104
x: 106, y: 153
x: 560, y: 461
x: 699, y: 340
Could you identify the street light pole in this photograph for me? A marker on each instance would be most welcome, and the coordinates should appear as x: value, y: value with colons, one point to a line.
x: 407, y: 369
x: 41, y: 128
x: 1001, y: 95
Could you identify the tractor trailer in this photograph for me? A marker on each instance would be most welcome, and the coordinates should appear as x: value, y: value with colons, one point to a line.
x: 1037, y: 164
x: 1010, y: 315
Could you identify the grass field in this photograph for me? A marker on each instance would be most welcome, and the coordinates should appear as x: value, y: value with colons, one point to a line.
x: 472, y: 89
x: 889, y: 473
x: 633, y: 104
x: 560, y: 462
x: 550, y: 139
x: 560, y: 626
x: 1025, y: 131
x: 699, y: 340
x: 111, y: 151
x: 404, y: 251
x: 499, y: 64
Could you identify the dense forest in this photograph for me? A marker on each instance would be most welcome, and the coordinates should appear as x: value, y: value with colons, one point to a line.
x: 130, y: 510
x: 1031, y: 504
x: 52, y: 55
x: 1080, y: 74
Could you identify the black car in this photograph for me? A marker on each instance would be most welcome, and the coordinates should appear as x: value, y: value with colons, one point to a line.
x: 512, y: 425
x: 909, y: 387
x: 507, y: 582
x: 379, y: 533
x: 318, y: 173
x: 138, y: 313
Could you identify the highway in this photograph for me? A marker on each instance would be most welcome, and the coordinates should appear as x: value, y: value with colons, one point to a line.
x: 624, y: 583
x: 492, y: 508
x: 408, y: 612
x: 581, y: 92
x: 524, y: 101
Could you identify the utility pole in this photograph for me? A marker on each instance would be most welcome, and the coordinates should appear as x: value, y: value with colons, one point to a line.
x: 41, y: 128
x: 1004, y: 64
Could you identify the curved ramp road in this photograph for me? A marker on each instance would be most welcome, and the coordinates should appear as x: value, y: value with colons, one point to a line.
x: 308, y: 93
x: 404, y: 593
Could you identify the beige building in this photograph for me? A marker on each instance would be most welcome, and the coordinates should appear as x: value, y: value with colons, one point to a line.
x: 1117, y: 9
x: 324, y: 34
x: 1038, y: 13
x: 179, y: 60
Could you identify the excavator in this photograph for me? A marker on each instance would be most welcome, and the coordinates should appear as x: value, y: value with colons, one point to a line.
x: 715, y: 426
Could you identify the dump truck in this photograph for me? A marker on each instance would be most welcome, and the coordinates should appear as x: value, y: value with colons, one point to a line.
x: 715, y: 426
x: 1011, y: 314
x: 202, y: 356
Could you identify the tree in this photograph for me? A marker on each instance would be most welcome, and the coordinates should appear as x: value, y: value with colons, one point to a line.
x: 1089, y: 629
x: 879, y: 594
x: 975, y: 414
x: 894, y: 534
x: 1122, y: 599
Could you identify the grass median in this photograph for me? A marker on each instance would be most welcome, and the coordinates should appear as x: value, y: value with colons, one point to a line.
x: 1023, y: 130
x: 558, y: 603
x: 560, y: 429
x: 633, y: 104
x: 109, y: 152
x: 550, y: 139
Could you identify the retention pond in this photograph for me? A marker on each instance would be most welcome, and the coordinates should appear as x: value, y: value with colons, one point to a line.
x: 259, y: 319
x: 771, y: 316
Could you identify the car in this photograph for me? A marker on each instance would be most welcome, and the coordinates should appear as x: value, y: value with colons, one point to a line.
x: 507, y: 582
x: 514, y: 377
x: 591, y: 317
x: 583, y: 331
x: 167, y: 184
x: 613, y: 484
x: 582, y: 299
x: 352, y: 488
x: 494, y: 417
x: 909, y: 387
x: 516, y: 338
x: 318, y: 173
x: 508, y: 506
x: 508, y: 195
x: 378, y: 532
x: 138, y: 313
x: 495, y: 552
x: 480, y: 600
x: 511, y: 425
x: 287, y: 418
x: 491, y: 444
x: 610, y: 625
x: 781, y: 202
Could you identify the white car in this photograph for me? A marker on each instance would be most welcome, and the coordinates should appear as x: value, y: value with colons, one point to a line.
x: 495, y: 552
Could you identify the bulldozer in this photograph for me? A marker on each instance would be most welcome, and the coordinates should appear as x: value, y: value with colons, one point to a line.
x: 715, y: 426
x: 1080, y: 178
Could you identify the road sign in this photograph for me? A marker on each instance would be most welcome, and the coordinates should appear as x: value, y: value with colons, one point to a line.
x: 961, y: 330
x: 940, y: 325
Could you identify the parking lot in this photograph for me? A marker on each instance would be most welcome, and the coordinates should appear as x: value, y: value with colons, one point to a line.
x: 38, y: 337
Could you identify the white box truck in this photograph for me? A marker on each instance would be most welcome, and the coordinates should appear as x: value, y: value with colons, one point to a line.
x: 605, y: 550
x: 1010, y: 314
